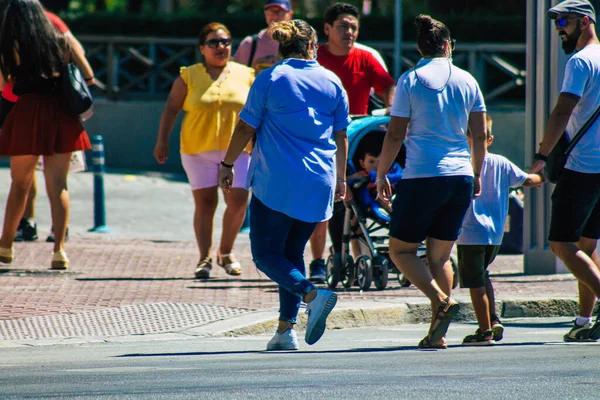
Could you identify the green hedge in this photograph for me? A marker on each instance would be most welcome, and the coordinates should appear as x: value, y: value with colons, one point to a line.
x: 465, y: 28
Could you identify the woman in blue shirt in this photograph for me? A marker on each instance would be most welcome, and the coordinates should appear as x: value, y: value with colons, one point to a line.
x: 298, y: 111
x: 433, y: 105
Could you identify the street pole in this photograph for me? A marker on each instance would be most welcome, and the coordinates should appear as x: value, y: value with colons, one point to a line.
x: 397, y: 39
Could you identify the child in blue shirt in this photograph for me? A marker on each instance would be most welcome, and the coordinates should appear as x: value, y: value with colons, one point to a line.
x: 481, y: 236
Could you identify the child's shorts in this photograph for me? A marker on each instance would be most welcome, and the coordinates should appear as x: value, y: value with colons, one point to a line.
x: 473, y: 261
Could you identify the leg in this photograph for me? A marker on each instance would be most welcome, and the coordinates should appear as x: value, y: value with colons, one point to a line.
x: 472, y: 261
x: 237, y: 201
x: 30, y: 205
x: 22, y: 170
x: 587, y: 299
x: 489, y: 291
x: 579, y: 263
x: 205, y: 205
x: 56, y: 169
x: 438, y: 260
x: 317, y: 246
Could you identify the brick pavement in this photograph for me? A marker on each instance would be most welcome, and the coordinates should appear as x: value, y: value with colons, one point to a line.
x: 150, y: 256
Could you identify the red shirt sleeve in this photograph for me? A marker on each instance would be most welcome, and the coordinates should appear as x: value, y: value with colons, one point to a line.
x: 57, y: 22
x: 379, y: 77
x: 8, y: 94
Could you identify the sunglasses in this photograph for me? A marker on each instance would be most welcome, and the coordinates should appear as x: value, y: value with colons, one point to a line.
x: 452, y: 44
x: 214, y: 43
x: 561, y: 22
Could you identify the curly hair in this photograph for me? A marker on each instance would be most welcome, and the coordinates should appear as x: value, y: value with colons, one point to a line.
x: 293, y: 37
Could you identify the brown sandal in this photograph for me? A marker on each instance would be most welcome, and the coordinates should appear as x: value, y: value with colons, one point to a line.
x: 203, y: 269
x: 426, y: 343
x: 443, y: 316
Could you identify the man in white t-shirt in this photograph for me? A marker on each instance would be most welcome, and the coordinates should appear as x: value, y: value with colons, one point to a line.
x: 575, y: 216
x: 260, y: 51
x: 481, y: 237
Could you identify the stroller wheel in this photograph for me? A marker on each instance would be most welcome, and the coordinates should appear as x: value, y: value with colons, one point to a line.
x: 380, y: 272
x: 403, y: 280
x: 334, y: 265
x: 348, y: 272
x: 364, y: 272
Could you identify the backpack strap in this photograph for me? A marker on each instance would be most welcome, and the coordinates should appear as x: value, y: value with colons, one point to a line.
x: 253, y: 50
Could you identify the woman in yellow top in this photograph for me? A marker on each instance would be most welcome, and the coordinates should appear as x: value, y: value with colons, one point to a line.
x: 211, y: 94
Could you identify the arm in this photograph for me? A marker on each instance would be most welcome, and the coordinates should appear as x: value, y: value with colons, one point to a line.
x: 78, y: 57
x: 167, y: 120
x: 394, y: 137
x: 556, y: 126
x: 477, y: 127
x: 242, y: 134
x: 341, y: 160
x: 388, y: 95
x: 533, y: 180
x: 2, y: 82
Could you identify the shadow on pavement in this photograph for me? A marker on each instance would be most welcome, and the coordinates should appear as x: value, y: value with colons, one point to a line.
x: 343, y: 351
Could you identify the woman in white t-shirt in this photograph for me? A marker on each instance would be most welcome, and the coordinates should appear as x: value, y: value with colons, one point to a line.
x: 434, y: 104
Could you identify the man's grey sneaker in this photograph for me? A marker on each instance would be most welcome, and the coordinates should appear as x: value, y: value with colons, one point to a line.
x: 579, y: 333
x: 318, y: 310
x: 27, y: 231
x: 485, y: 338
x: 318, y: 271
x: 283, y: 341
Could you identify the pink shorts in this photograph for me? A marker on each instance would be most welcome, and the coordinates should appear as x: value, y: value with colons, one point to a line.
x: 202, y: 169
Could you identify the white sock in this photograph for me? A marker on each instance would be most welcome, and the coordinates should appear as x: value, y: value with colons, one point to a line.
x: 582, y: 320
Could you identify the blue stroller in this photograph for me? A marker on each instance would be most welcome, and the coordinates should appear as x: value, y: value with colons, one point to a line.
x: 365, y: 220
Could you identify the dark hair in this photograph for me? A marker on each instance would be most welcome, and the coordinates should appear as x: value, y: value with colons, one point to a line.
x: 338, y: 9
x: 27, y: 30
x: 293, y: 37
x: 210, y: 28
x: 431, y: 35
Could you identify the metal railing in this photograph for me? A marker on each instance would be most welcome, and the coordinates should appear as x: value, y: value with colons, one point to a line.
x: 145, y: 67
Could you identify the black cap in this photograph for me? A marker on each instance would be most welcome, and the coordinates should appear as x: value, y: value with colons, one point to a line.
x: 577, y: 7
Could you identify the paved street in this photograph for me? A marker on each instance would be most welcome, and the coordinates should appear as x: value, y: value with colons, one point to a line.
x: 378, y: 363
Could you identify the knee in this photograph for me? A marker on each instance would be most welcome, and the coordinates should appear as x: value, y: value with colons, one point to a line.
x: 22, y: 184
x: 206, y: 205
x: 559, y: 248
x: 238, y: 203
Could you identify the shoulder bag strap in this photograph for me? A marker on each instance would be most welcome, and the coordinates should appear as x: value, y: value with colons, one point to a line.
x: 582, y: 130
x: 253, y: 50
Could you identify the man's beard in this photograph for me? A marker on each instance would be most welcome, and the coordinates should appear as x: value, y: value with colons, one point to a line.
x: 570, y: 44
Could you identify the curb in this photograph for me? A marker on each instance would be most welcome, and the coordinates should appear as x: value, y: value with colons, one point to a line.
x: 389, y: 314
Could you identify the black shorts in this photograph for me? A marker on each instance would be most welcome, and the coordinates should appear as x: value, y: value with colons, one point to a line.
x: 473, y: 261
x: 575, y: 207
x: 430, y: 207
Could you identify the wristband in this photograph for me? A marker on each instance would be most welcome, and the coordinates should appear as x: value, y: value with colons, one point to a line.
x: 540, y: 156
x: 476, y: 175
x: 89, y: 79
x: 380, y: 179
x: 225, y: 165
x: 341, y: 180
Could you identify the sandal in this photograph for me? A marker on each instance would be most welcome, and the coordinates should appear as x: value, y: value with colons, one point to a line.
x: 443, y: 316
x: 7, y: 255
x: 60, y: 261
x: 426, y: 343
x: 203, y: 269
x: 232, y: 268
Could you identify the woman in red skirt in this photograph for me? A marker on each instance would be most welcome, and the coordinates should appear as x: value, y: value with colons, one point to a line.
x: 31, y: 56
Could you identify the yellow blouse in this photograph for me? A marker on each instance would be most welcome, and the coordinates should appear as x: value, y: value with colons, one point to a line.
x: 212, y: 107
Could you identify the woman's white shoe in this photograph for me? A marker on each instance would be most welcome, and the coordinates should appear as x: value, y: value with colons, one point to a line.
x: 7, y: 255
x: 60, y: 260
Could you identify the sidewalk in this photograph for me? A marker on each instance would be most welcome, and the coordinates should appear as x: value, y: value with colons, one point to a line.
x: 138, y: 279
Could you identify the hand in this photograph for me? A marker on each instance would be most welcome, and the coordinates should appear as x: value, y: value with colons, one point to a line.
x: 161, y: 151
x: 340, y: 191
x: 225, y: 178
x: 538, y: 168
x: 476, y: 187
x: 384, y: 190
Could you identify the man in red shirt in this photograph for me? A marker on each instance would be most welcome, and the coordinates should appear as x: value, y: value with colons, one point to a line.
x: 359, y: 71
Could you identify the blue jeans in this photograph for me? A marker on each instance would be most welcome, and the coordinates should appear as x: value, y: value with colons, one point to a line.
x: 278, y: 242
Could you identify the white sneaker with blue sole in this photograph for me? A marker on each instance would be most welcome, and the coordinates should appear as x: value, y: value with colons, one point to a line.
x: 283, y: 341
x: 318, y: 310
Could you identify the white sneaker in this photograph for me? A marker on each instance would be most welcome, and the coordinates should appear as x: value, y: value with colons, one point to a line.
x: 318, y: 310
x: 283, y: 341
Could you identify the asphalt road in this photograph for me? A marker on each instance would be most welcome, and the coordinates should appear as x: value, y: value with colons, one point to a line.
x: 531, y: 363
